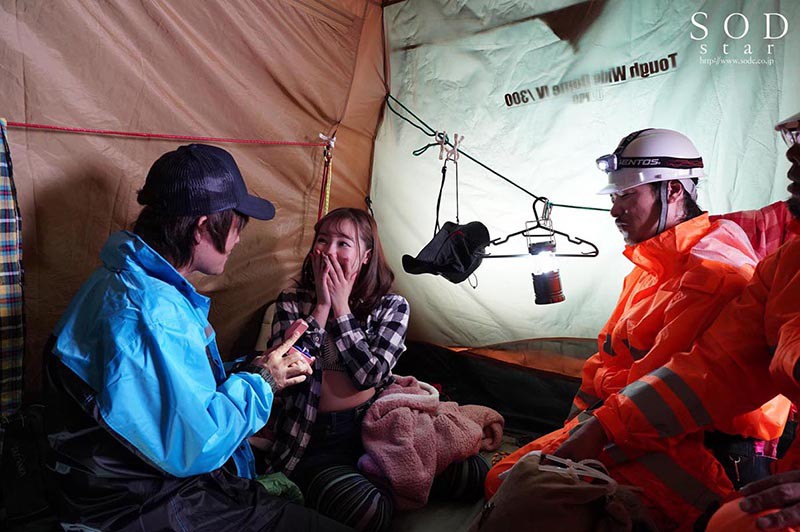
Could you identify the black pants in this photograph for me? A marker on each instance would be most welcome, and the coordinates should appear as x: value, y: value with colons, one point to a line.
x: 217, y: 501
x: 335, y: 440
x: 738, y: 456
x: 331, y: 482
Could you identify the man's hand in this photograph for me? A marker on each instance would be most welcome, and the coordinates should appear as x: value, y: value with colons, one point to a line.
x: 586, y: 442
x: 778, y: 492
x: 287, y: 366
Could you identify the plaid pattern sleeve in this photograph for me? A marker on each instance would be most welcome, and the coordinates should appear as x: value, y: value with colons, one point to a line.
x: 12, y: 327
x: 766, y: 228
x: 370, y: 352
x: 298, y: 404
x: 291, y: 305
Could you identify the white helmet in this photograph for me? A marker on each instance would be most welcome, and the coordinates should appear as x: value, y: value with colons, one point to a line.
x: 790, y: 129
x: 650, y: 156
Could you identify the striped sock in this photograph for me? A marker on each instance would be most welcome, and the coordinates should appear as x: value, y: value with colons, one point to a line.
x: 461, y: 480
x: 344, y: 494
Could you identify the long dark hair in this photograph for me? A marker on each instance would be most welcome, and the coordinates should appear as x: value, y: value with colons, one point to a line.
x: 375, y: 278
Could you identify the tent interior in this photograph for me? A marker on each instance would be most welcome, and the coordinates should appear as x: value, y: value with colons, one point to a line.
x: 538, y: 89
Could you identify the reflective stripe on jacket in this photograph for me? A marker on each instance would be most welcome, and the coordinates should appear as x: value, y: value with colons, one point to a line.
x: 745, y: 358
x: 667, y: 301
x: 682, y: 279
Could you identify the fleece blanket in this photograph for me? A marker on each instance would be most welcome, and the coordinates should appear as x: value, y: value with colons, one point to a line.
x: 410, y: 436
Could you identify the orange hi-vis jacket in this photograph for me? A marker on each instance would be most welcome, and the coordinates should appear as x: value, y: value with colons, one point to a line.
x: 767, y: 228
x: 682, y: 280
x: 749, y: 355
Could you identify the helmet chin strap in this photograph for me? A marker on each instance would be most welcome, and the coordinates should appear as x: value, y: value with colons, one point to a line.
x: 662, y: 219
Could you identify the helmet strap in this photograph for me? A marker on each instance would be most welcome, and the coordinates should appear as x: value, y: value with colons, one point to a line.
x: 662, y: 219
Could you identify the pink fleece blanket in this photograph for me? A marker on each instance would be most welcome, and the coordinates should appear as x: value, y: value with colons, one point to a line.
x: 410, y: 436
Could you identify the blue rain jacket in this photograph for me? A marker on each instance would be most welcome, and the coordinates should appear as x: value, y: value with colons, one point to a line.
x: 137, y: 333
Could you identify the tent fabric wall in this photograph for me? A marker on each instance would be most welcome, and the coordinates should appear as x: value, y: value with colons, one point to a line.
x: 459, y: 64
x: 532, y: 402
x: 277, y: 70
x: 556, y: 356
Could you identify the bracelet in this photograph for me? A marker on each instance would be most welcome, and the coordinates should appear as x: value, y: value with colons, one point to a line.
x: 264, y: 372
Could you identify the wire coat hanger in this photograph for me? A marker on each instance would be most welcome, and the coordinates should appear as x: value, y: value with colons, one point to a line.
x: 541, y: 222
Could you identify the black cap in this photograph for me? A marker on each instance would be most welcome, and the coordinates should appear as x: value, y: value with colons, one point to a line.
x: 454, y: 253
x: 199, y: 179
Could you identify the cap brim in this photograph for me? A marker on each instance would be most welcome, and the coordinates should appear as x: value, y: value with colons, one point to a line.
x: 257, y: 208
x: 415, y: 266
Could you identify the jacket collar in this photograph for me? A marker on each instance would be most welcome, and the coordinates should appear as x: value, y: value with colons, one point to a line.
x: 126, y: 251
x: 794, y: 226
x: 667, y: 249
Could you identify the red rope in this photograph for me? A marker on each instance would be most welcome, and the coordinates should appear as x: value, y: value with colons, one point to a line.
x: 162, y: 135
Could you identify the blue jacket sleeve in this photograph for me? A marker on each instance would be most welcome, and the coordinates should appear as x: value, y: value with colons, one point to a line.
x: 161, y: 396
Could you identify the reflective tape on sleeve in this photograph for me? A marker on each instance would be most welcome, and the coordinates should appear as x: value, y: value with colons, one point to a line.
x: 687, y: 396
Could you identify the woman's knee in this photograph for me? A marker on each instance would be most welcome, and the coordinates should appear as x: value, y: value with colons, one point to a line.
x: 344, y: 494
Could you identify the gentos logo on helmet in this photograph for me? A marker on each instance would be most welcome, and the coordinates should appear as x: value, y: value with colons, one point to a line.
x: 636, y: 162
x: 650, y: 156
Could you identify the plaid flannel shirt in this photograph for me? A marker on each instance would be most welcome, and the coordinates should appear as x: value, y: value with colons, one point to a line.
x: 369, y: 350
x: 12, y: 324
x: 767, y: 228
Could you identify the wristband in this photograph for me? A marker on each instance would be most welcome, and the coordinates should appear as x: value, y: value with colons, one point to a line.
x: 264, y: 372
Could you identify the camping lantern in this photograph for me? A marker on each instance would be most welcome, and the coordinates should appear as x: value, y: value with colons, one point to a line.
x: 546, y: 279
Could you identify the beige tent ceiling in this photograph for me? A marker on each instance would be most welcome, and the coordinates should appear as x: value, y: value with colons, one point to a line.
x: 276, y: 70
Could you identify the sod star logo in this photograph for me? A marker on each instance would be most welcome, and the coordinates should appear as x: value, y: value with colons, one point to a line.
x: 750, y: 39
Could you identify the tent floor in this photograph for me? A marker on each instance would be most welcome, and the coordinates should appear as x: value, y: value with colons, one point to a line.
x: 437, y: 516
x: 454, y: 516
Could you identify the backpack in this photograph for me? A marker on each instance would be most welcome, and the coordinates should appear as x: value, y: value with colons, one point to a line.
x: 561, y: 495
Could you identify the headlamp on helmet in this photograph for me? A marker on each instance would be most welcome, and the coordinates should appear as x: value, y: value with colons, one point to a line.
x: 607, y: 163
x: 790, y: 130
x: 650, y: 156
